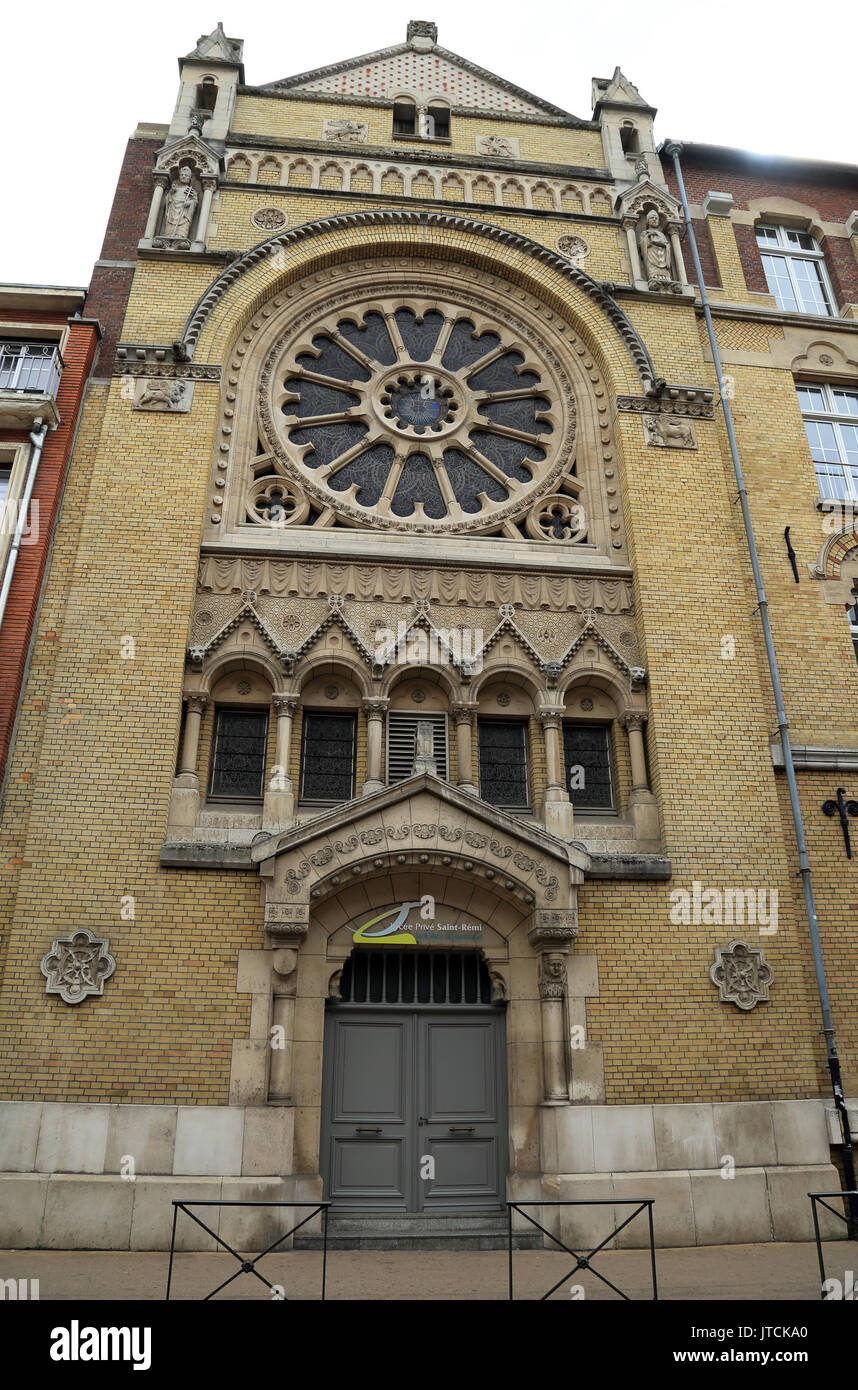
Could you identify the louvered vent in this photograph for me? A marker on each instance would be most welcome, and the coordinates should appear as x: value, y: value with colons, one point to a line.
x: 401, y: 738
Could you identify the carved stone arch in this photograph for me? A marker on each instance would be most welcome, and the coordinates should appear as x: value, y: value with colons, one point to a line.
x: 494, y: 248
x: 331, y: 175
x: 616, y: 685
x: 238, y: 168
x: 513, y: 672
x: 269, y: 166
x: 787, y: 212
x: 513, y: 194
x: 837, y: 565
x: 825, y: 360
x: 300, y: 174
x: 223, y: 661
x: 322, y: 662
x: 445, y: 677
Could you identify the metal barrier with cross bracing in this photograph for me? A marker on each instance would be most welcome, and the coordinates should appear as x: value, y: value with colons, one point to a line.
x: 246, y: 1265
x: 584, y: 1261
x: 817, y: 1199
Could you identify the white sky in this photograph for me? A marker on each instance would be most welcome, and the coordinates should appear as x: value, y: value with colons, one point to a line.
x: 775, y: 77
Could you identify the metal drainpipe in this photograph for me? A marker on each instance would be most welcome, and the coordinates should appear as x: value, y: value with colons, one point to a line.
x: 37, y: 440
x: 674, y: 149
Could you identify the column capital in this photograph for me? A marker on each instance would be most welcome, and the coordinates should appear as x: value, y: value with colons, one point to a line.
x: 633, y: 719
x: 196, y: 700
x: 375, y: 706
x: 284, y: 704
x: 463, y: 714
x: 549, y: 716
x: 553, y: 927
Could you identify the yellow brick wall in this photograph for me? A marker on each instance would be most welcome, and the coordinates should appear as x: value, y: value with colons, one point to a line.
x: 90, y: 773
x: 285, y: 118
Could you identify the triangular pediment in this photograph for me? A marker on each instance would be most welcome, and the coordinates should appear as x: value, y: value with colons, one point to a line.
x: 425, y: 72
x: 423, y: 812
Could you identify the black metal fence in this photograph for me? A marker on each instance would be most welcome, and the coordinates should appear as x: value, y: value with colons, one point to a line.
x: 584, y: 1261
x: 817, y: 1199
x: 246, y: 1265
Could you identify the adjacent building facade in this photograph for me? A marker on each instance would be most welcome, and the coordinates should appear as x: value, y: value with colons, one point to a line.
x: 397, y: 813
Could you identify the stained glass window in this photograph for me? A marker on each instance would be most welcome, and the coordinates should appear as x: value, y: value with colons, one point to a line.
x: 587, y: 755
x: 238, y: 763
x: 503, y: 762
x: 327, y: 757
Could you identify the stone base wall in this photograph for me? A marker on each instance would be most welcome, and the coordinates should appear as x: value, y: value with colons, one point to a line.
x: 104, y: 1176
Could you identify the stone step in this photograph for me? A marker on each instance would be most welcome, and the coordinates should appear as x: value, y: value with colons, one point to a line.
x: 417, y: 1231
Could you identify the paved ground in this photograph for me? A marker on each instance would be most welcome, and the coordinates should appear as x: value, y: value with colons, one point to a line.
x: 759, y: 1272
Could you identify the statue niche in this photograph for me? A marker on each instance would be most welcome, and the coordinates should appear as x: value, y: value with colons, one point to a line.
x: 656, y: 249
x: 180, y: 206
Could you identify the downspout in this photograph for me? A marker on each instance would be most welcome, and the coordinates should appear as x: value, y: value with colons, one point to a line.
x: 37, y: 440
x: 674, y: 149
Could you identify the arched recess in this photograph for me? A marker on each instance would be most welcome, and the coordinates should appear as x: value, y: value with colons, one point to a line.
x: 242, y: 290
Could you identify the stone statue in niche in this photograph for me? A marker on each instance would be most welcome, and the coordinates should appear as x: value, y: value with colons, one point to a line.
x: 655, y: 251
x: 180, y: 207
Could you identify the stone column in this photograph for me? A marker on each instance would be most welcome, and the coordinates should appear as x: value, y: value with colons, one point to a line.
x: 208, y: 185
x: 558, y: 812
x: 673, y: 229
x: 630, y: 224
x: 185, y: 793
x: 552, y: 933
x: 375, y: 710
x: 642, y: 804
x: 463, y: 717
x: 552, y: 992
x: 285, y: 964
x: 161, y: 182
x: 279, y: 806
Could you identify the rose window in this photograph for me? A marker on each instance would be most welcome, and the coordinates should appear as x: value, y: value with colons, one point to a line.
x: 416, y: 414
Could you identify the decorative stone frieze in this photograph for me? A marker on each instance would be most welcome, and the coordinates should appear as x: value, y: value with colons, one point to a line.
x: 77, y: 966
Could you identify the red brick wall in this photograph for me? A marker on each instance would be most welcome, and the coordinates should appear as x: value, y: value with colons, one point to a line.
x: 706, y: 251
x: 111, y: 285
x: 18, y: 619
x: 833, y: 200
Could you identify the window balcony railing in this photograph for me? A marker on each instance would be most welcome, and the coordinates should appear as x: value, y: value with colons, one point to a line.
x: 30, y: 368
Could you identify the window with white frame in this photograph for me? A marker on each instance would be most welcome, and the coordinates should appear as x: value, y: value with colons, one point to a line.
x: 795, y: 270
x: 852, y: 615
x: 831, y: 421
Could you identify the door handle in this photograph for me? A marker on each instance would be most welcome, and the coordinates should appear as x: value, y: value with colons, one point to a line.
x: 367, y: 1129
x: 462, y: 1129
x: 422, y: 1120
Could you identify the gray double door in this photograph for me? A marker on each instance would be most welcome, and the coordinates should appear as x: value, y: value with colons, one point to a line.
x: 414, y: 1109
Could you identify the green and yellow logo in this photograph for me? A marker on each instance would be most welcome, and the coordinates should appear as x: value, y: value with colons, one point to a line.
x: 392, y: 932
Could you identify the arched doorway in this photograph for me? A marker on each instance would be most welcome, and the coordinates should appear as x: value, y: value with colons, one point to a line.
x: 414, y: 1084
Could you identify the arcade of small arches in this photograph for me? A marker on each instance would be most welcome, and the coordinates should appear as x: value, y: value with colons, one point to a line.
x: 267, y: 740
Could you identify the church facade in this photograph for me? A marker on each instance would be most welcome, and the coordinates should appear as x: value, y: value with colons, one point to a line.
x: 395, y: 813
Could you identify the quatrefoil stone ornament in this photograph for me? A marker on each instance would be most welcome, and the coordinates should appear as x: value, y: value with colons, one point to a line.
x: 77, y: 966
x: 741, y: 974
